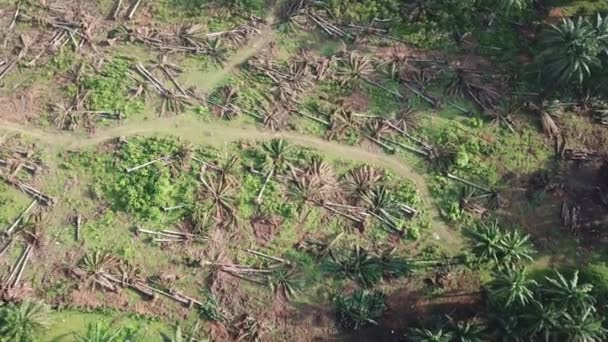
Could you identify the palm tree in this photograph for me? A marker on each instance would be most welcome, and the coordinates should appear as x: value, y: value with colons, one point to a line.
x: 278, y: 157
x: 381, y: 203
x: 519, y: 5
x: 509, y: 328
x: 584, y: 326
x: 570, y: 51
x: 95, y: 266
x: 342, y: 122
x: 221, y: 194
x: 226, y: 104
x: 466, y: 332
x: 542, y: 320
x: 275, y: 117
x: 23, y: 322
x: 100, y: 332
x: 228, y: 167
x: 354, y: 69
x: 360, y: 309
x: 217, y: 51
x: 504, y: 249
x: 315, y: 183
x: 426, y: 335
x: 285, y: 282
x: 487, y: 241
x: 516, y: 248
x: 569, y: 294
x: 184, y: 155
x: 512, y: 287
x: 361, y: 180
x: 359, y: 265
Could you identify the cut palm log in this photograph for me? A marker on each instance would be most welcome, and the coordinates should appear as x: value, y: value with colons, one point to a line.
x: 406, y: 147
x: 258, y: 199
x: 117, y: 8
x: 380, y: 143
x: 42, y: 198
x: 269, y: 257
x: 12, y: 227
x: 133, y: 9
x: 466, y: 182
x: 138, y: 167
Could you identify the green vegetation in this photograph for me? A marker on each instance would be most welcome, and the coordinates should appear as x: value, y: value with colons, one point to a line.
x: 282, y: 170
x: 360, y: 309
x: 23, y: 322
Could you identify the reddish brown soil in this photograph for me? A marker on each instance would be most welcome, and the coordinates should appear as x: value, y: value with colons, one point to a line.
x: 24, y: 105
x: 265, y: 228
x: 358, y: 101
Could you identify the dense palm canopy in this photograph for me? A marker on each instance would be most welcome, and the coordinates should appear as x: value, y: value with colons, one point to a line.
x: 24, y: 322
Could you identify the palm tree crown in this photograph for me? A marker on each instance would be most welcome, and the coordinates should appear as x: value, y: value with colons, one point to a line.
x: 571, y: 49
x: 23, y: 322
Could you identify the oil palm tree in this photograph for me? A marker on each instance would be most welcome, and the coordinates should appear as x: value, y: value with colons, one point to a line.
x: 584, y: 326
x: 316, y: 182
x: 486, y: 241
x: 360, y: 309
x: 358, y: 265
x: 93, y: 266
x: 428, y: 335
x: 228, y: 166
x: 381, y: 205
x: 342, y: 122
x: 226, y: 107
x: 278, y: 158
x: 517, y: 5
x: 570, y: 51
x: 217, y: 51
x: 354, y: 69
x: 361, y: 180
x: 285, y: 282
x: 512, y: 287
x: 23, y: 322
x: 466, y: 332
x: 100, y: 332
x: 516, y: 248
x: 220, y: 193
x: 509, y: 328
x: 543, y: 320
x: 569, y: 293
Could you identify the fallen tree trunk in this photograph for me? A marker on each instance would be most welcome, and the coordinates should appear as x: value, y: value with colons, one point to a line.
x: 10, y: 229
x: 133, y: 9
x: 464, y: 181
